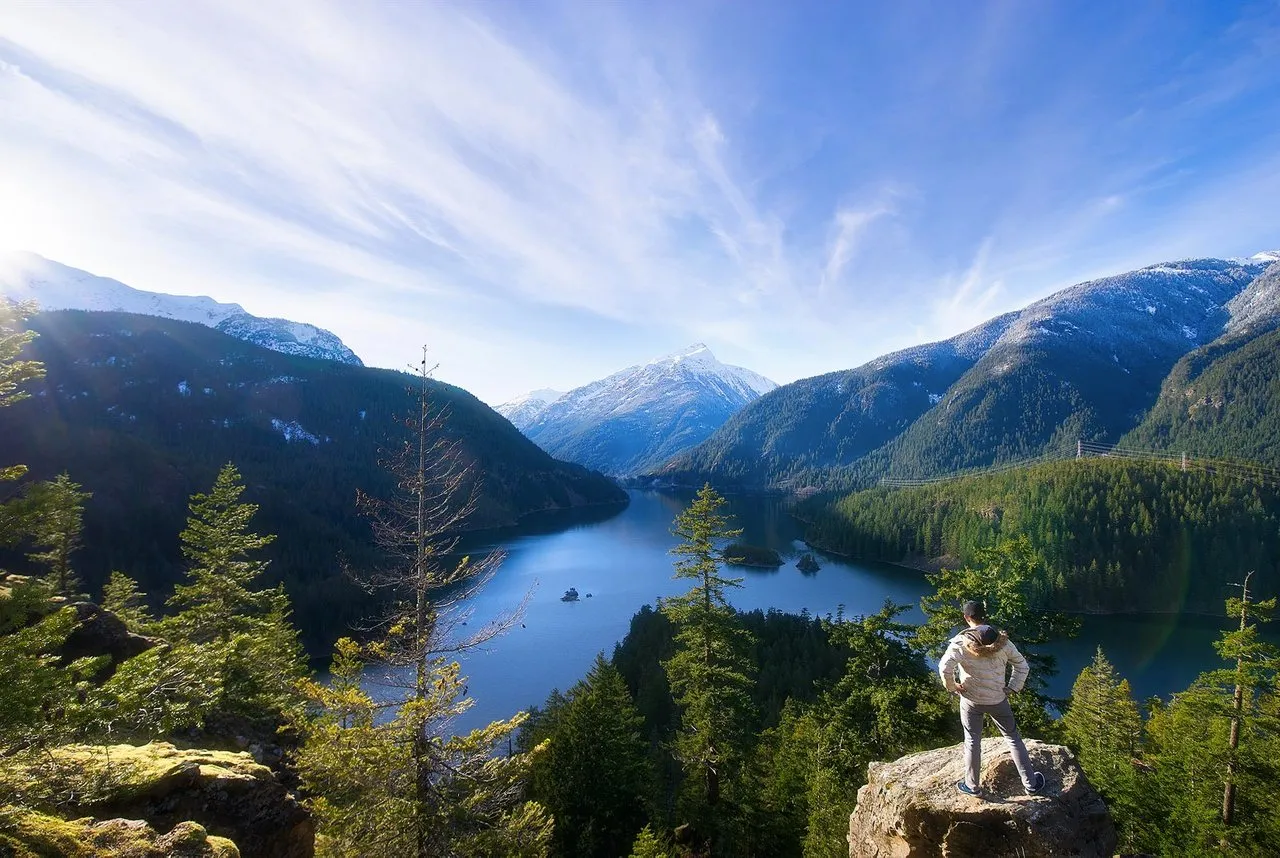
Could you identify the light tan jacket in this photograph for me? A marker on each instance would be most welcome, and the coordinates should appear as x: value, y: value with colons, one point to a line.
x: 982, y: 668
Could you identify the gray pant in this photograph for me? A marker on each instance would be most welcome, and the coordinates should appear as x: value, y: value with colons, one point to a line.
x: 1001, y: 713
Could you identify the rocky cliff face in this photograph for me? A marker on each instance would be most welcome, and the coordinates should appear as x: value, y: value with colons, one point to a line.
x: 910, y: 808
x: 214, y: 803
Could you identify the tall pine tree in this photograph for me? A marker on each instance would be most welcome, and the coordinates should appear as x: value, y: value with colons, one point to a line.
x: 595, y: 776
x: 1104, y: 726
x: 247, y: 630
x: 711, y: 671
x: 405, y: 784
x: 1216, y: 749
x: 54, y: 514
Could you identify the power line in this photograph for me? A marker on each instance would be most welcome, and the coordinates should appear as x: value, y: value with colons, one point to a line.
x: 1230, y: 468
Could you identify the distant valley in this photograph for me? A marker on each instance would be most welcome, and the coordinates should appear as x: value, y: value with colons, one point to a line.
x: 142, y: 411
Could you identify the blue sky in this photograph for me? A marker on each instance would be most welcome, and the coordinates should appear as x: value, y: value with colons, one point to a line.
x: 547, y: 192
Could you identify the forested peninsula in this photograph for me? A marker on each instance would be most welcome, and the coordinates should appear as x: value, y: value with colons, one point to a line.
x: 1112, y: 535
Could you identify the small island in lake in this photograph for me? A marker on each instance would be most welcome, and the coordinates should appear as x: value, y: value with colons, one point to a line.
x: 807, y: 563
x: 570, y: 595
x: 742, y: 554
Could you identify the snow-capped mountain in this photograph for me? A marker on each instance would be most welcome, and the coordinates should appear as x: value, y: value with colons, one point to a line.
x: 636, y: 419
x: 54, y: 286
x: 1086, y: 362
x: 1257, y: 307
x: 523, y: 410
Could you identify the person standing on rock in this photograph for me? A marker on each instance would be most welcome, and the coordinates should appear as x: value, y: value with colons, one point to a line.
x: 983, y: 656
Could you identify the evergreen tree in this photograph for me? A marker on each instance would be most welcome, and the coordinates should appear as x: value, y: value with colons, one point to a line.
x: 219, y: 602
x: 404, y: 784
x: 595, y: 775
x: 14, y: 370
x: 1216, y: 749
x: 246, y: 631
x: 1104, y: 726
x: 710, y: 672
x: 647, y: 845
x: 1256, y: 673
x: 33, y: 682
x: 14, y: 373
x: 121, y: 596
x: 53, y: 512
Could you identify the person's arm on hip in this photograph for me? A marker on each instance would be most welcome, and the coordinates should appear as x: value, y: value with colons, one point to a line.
x: 1020, y: 669
x: 947, y: 670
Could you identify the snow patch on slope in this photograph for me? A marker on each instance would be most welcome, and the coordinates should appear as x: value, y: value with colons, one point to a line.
x: 293, y: 431
x: 54, y: 286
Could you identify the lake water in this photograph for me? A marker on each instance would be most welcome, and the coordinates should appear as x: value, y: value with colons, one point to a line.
x: 623, y: 562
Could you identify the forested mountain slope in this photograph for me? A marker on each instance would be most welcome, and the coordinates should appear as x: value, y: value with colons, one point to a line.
x: 1086, y: 362
x: 142, y: 411
x: 1223, y: 400
x: 1115, y: 535
x: 832, y: 420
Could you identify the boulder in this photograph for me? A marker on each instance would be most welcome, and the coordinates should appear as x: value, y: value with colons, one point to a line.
x: 225, y: 793
x: 26, y: 834
x: 100, y: 632
x: 910, y: 808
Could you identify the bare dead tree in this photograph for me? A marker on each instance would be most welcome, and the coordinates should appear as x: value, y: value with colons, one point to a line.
x: 428, y: 581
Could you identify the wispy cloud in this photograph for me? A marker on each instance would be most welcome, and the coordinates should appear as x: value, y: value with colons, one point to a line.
x: 966, y: 298
x: 848, y: 228
x: 407, y: 153
x: 545, y: 193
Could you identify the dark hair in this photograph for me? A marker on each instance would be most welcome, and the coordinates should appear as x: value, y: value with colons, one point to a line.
x: 974, y: 610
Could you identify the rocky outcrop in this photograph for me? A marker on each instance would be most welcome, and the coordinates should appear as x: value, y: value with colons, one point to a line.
x: 100, y: 632
x: 225, y: 793
x: 25, y: 834
x: 910, y: 808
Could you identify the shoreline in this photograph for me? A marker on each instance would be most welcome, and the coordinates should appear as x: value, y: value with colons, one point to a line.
x: 1076, y: 613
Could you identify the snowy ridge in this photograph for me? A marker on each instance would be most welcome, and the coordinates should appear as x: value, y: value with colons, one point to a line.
x: 523, y: 410
x: 1094, y: 352
x: 54, y: 286
x: 1257, y: 307
x: 700, y: 356
x: 637, y: 418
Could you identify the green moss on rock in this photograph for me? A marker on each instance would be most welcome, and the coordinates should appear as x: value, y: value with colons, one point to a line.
x: 27, y: 834
x: 222, y: 792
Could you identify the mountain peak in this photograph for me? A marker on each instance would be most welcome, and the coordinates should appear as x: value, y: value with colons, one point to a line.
x: 637, y: 418
x: 523, y: 410
x: 697, y: 352
x: 1266, y: 256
